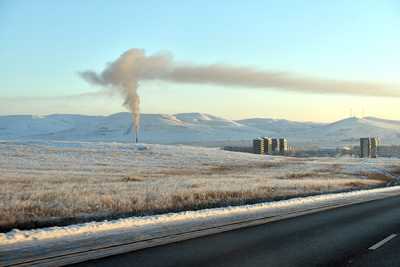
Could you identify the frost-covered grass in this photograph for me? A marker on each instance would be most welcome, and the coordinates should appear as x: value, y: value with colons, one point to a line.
x: 58, y: 183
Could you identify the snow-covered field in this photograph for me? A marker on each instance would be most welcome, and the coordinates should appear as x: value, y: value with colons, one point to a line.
x: 60, y: 181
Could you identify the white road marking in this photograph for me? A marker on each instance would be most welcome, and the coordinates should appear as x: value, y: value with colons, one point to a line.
x: 382, y: 242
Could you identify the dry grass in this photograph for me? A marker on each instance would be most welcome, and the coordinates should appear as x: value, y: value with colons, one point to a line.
x: 132, y: 178
x: 377, y: 176
x: 43, y: 185
x: 300, y: 175
x: 217, y: 198
x: 355, y: 184
x: 395, y: 171
x: 215, y: 170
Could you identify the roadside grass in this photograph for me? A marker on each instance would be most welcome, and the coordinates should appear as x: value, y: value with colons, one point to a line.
x: 46, y: 208
x: 376, y: 176
x: 395, y: 171
x: 43, y: 186
x: 132, y: 178
x: 299, y: 175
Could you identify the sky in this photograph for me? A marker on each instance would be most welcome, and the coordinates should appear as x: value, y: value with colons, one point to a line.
x: 45, y: 44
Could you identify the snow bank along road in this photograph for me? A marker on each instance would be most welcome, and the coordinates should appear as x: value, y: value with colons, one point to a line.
x: 351, y: 227
x: 355, y: 235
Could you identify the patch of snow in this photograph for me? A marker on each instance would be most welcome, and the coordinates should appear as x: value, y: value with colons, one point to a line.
x: 141, y: 147
x: 189, y: 217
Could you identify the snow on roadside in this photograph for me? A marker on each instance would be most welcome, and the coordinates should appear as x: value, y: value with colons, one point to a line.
x: 17, y: 237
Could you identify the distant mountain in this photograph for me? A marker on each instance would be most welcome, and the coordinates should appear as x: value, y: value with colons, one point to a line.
x: 279, y: 126
x: 351, y: 128
x: 196, y: 128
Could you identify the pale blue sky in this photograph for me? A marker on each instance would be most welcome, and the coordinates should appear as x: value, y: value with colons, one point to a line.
x: 43, y: 44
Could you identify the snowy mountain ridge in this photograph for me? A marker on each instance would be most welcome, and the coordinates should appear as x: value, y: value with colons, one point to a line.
x: 193, y: 127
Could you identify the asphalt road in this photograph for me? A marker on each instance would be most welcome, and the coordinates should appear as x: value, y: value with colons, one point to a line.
x: 339, y: 237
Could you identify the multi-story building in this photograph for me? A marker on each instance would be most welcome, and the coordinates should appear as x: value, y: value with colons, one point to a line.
x: 283, y: 146
x: 267, y: 145
x: 368, y: 147
x: 275, y: 146
x: 365, y: 147
x: 270, y: 146
x: 258, y: 146
x: 374, y: 147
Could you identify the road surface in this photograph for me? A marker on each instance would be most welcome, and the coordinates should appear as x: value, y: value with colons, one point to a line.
x: 366, y: 234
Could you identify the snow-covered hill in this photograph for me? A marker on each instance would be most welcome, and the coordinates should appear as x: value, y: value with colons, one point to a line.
x: 279, y: 126
x: 193, y: 127
x: 350, y: 129
x: 154, y: 128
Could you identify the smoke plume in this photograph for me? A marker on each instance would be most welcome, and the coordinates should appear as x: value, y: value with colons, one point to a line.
x: 134, y: 66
